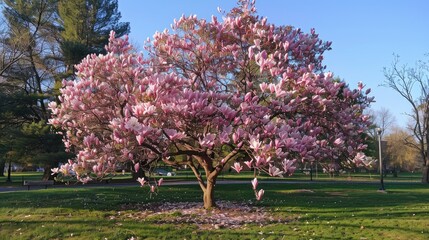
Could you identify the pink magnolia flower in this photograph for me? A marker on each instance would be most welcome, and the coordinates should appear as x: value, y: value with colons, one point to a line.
x: 160, y: 181
x: 224, y: 137
x: 152, y: 188
x: 140, y: 139
x: 85, y: 180
x: 174, y: 135
x: 55, y: 171
x: 254, y: 183
x: 260, y: 161
x: 65, y: 169
x: 238, y: 135
x: 274, y: 171
x: 259, y: 194
x: 142, y: 181
x: 360, y: 86
x: 249, y: 163
x: 288, y: 166
x: 263, y: 86
x: 208, y: 140
x: 359, y: 159
x: 254, y: 143
x: 237, y: 167
x: 133, y: 124
x: 137, y: 167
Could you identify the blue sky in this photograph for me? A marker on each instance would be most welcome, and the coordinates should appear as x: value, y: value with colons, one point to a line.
x: 365, y: 33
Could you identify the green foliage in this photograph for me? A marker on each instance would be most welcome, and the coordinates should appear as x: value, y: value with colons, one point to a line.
x: 35, y: 128
x: 34, y: 32
x: 372, y: 149
x: 86, y: 25
x: 33, y: 144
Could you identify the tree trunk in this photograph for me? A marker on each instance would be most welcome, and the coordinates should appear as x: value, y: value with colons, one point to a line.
x: 9, y: 170
x: 208, y: 197
x: 2, y: 165
x: 395, y: 172
x: 425, y: 174
x: 425, y: 170
x: 47, y: 174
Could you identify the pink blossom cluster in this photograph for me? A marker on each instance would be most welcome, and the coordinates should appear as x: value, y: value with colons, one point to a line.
x: 208, y: 95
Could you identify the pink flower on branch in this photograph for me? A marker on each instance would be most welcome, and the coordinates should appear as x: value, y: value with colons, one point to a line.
x: 84, y: 180
x: 133, y: 124
x: 254, y: 183
x: 288, y: 166
x: 237, y: 167
x: 55, y: 171
x: 208, y: 140
x: 174, y: 135
x: 249, y: 163
x: 140, y: 139
x: 137, y: 167
x: 275, y: 171
x: 142, y: 181
x: 160, y: 181
x: 255, y: 144
x: 259, y: 194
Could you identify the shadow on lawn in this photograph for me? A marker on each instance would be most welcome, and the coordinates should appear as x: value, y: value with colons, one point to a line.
x: 61, y: 228
x: 351, y: 196
x: 90, y: 229
x: 350, y: 207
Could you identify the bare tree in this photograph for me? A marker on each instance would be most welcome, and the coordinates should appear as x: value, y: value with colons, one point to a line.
x: 412, y: 84
x: 382, y: 118
x: 10, y: 51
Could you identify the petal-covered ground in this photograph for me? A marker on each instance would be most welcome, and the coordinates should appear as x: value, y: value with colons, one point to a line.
x: 226, y: 215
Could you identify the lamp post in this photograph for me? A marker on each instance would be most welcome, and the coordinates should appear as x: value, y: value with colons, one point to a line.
x: 379, y: 131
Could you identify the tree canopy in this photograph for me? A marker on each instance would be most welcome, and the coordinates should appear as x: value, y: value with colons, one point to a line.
x: 211, y: 94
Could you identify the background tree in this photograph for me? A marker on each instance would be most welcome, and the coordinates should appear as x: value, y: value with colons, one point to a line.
x: 34, y: 59
x: 85, y: 28
x: 412, y: 84
x: 10, y: 152
x: 383, y: 119
x: 211, y: 94
x: 10, y: 50
x: 27, y: 82
x: 402, y: 156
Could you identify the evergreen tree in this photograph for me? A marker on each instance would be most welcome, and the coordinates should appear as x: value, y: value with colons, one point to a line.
x: 85, y: 27
x: 40, y: 41
x: 27, y: 83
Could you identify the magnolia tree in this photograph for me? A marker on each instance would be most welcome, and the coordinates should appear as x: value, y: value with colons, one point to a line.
x: 211, y: 94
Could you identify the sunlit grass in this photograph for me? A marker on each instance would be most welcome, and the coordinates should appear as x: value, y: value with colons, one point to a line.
x: 317, y: 211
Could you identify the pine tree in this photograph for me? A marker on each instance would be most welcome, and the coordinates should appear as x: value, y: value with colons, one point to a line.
x: 27, y: 83
x: 86, y: 25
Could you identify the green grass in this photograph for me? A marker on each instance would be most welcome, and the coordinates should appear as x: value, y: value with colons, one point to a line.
x: 331, y: 211
x: 18, y: 177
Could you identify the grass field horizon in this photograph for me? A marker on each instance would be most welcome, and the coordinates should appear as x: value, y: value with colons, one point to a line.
x: 18, y: 177
x: 315, y: 211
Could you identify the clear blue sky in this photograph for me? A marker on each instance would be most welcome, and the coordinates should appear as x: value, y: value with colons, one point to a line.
x: 365, y: 33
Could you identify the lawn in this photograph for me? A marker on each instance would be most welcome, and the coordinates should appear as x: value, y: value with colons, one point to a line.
x: 18, y: 177
x: 304, y: 210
